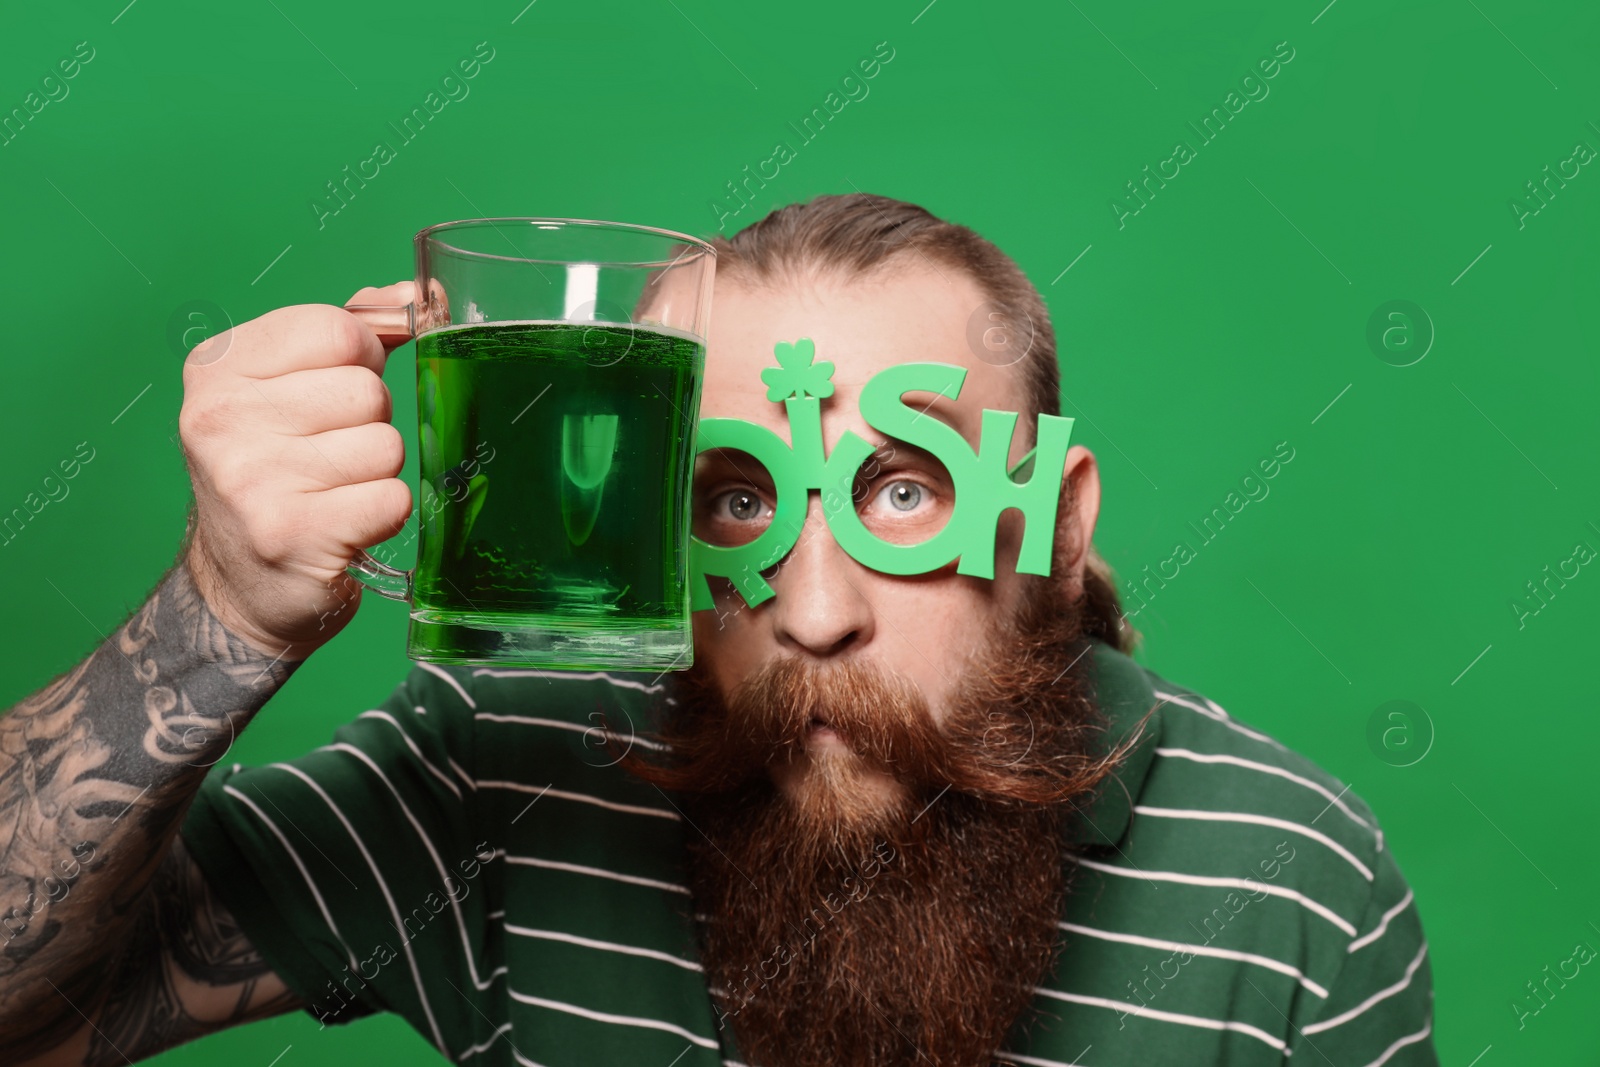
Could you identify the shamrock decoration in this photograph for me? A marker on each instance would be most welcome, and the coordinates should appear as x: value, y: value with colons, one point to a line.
x: 796, y: 375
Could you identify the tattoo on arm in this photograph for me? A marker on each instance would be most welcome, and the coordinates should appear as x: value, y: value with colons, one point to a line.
x: 97, y: 771
x: 188, y: 971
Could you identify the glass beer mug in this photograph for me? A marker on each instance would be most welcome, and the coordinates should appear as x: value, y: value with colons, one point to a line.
x: 559, y: 368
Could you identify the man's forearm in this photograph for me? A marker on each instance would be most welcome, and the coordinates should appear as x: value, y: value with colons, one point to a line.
x: 96, y: 773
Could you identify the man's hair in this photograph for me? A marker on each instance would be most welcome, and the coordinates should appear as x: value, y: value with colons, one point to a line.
x: 858, y: 233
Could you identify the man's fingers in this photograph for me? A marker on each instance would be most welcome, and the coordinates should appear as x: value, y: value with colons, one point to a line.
x: 326, y: 398
x: 285, y: 429
x: 290, y: 339
x: 350, y: 455
x: 392, y: 328
x: 396, y: 295
x: 367, y: 513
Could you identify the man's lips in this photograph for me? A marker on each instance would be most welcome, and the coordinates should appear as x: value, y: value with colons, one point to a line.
x: 819, y: 730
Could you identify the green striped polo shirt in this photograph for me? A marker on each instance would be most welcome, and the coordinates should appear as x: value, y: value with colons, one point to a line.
x: 467, y: 855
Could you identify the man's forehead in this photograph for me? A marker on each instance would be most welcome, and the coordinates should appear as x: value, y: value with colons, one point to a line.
x: 861, y: 325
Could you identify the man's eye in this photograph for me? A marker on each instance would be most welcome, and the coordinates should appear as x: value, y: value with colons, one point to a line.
x: 900, y: 497
x: 739, y: 505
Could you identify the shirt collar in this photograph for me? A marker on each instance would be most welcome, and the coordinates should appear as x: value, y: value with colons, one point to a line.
x: 1123, y: 692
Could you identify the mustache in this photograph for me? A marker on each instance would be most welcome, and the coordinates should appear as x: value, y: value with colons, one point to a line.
x: 1019, y: 730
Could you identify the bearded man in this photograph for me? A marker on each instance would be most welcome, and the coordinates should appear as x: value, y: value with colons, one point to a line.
x: 933, y: 818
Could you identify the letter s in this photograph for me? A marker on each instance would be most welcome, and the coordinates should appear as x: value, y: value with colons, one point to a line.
x: 77, y: 50
x: 878, y: 48
x: 1278, y: 448
x: 477, y: 50
x: 1278, y: 48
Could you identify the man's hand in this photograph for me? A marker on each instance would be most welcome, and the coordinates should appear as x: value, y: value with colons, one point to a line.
x: 285, y: 425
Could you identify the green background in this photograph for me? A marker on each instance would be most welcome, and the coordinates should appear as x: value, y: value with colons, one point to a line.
x: 1228, y: 315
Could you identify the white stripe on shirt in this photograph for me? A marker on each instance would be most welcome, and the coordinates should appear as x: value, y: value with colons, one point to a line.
x: 451, y: 679
x: 1383, y: 925
x: 1217, y: 716
x: 606, y: 946
x: 576, y: 727
x: 1264, y: 768
x: 1226, y: 883
x: 466, y: 779
x: 415, y: 751
x: 394, y: 911
x: 589, y: 676
x: 1409, y: 1039
x: 608, y: 1017
x: 445, y: 878
x: 1038, y: 1061
x: 1258, y: 820
x: 483, y: 1046
x: 316, y: 893
x: 1200, y: 950
x: 1376, y: 998
x: 1166, y: 1016
x: 596, y: 872
x: 562, y: 794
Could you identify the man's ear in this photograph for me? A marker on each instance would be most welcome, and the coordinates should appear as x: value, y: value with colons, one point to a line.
x: 1075, y: 518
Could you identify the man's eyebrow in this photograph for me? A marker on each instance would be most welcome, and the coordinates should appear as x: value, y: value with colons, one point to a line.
x: 894, y: 448
x: 725, y: 458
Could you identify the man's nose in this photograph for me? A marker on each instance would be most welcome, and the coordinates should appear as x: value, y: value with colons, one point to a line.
x: 818, y: 606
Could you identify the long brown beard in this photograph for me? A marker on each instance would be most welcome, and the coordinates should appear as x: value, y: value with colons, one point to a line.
x: 846, y: 927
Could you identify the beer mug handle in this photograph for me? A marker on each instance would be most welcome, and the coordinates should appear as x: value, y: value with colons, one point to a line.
x: 378, y: 576
x: 394, y: 325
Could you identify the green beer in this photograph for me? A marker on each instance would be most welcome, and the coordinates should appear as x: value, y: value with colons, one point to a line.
x: 555, y: 467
